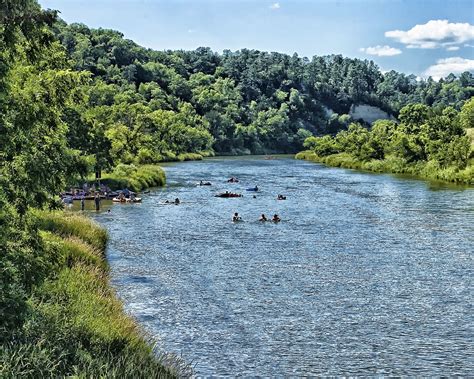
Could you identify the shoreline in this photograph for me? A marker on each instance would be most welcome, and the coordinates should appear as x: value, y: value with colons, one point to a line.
x: 419, y: 171
x: 77, y: 326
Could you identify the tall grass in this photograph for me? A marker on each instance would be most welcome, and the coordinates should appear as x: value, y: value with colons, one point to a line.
x: 67, y: 224
x: 76, y: 326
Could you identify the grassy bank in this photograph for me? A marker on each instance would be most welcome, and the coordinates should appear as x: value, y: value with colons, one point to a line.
x: 427, y: 170
x: 139, y: 178
x: 136, y: 178
x: 75, y: 324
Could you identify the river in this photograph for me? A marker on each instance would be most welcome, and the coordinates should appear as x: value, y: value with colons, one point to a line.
x: 366, y: 274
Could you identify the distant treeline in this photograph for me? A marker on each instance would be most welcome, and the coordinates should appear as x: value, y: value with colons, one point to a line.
x: 145, y: 106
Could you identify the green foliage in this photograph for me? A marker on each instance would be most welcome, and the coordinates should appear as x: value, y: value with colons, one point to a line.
x: 136, y: 178
x: 144, y: 106
x: 58, y: 315
x: 426, y: 142
x: 70, y: 224
x: 467, y: 114
x: 75, y: 325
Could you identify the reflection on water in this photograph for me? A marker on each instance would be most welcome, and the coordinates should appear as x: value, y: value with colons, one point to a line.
x: 367, y: 274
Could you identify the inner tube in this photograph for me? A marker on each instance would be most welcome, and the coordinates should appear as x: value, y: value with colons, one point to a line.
x: 226, y: 195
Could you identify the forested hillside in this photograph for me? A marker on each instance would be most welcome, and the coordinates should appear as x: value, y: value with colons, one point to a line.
x: 145, y: 106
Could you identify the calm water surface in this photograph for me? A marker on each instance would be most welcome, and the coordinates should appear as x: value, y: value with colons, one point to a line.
x: 367, y: 274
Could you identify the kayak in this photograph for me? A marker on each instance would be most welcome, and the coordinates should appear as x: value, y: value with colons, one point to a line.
x: 252, y: 189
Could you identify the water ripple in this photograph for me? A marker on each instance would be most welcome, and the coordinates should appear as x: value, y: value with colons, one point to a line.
x: 367, y: 274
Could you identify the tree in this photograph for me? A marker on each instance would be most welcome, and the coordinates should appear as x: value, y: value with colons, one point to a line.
x: 467, y: 114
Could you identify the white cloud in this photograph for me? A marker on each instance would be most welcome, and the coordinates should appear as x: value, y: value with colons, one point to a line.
x: 275, y: 6
x: 191, y: 31
x: 452, y: 48
x: 381, y: 51
x: 444, y: 67
x: 434, y: 34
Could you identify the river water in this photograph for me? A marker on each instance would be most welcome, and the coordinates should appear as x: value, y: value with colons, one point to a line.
x: 367, y: 274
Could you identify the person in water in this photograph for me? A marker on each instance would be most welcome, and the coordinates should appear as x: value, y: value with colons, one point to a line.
x: 97, y: 202
x: 281, y: 197
x: 263, y: 218
x: 236, y: 217
x: 177, y: 201
x: 276, y: 218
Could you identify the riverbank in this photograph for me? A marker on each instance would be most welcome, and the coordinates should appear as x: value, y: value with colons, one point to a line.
x: 75, y: 325
x: 135, y: 178
x: 425, y: 170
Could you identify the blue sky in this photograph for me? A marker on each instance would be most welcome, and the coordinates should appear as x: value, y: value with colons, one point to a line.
x: 424, y: 37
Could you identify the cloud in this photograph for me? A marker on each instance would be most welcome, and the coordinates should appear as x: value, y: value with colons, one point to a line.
x: 452, y: 48
x: 381, y: 51
x: 444, y: 67
x: 275, y: 6
x: 191, y: 31
x: 434, y: 34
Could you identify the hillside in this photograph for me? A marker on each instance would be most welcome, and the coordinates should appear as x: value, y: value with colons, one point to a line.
x: 145, y: 106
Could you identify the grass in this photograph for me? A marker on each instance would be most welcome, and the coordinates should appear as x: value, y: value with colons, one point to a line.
x: 76, y: 326
x: 68, y: 224
x: 427, y: 170
x: 135, y: 178
x: 189, y: 157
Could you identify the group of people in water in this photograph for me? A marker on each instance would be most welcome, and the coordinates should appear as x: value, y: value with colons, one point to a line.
x: 175, y: 201
x: 236, y: 218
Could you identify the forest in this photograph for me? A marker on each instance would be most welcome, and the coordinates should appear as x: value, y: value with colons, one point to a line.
x: 144, y: 106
